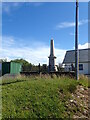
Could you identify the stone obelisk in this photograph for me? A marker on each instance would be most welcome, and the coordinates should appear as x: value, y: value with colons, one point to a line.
x: 52, y: 57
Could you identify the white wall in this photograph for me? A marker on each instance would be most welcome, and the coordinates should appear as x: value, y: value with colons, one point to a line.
x: 86, y: 68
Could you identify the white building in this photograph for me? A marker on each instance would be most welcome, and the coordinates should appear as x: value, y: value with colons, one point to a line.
x: 84, y: 61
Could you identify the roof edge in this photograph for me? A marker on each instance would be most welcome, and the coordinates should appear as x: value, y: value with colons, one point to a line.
x: 78, y: 49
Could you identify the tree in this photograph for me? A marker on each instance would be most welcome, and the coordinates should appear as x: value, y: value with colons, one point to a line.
x: 26, y: 66
x: 3, y: 60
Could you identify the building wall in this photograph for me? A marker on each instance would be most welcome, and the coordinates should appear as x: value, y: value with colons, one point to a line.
x: 86, y: 68
x: 67, y: 67
x: 89, y: 68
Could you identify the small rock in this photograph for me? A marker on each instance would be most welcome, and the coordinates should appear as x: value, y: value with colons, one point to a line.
x: 85, y: 111
x: 71, y: 100
x: 75, y: 102
x: 86, y: 107
x: 82, y: 89
x: 81, y: 105
x: 72, y: 95
x: 86, y: 88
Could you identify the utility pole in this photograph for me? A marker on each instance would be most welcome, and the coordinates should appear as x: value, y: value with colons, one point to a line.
x: 76, y: 45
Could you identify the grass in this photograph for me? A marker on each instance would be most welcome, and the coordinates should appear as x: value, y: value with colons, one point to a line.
x: 38, y: 97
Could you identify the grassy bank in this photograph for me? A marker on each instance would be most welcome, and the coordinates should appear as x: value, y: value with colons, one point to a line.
x: 38, y: 97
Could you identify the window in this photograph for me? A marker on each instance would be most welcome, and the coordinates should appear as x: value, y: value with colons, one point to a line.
x: 80, y: 66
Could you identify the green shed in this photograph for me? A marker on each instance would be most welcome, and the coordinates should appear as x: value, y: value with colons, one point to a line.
x: 11, y: 68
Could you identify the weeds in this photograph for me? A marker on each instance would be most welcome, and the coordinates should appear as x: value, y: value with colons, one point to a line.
x: 37, y: 96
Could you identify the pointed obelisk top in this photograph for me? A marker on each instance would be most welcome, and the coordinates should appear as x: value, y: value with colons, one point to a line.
x: 52, y: 48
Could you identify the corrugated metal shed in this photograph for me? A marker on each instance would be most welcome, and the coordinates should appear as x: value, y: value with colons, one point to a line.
x: 5, y: 68
x: 0, y: 66
x: 11, y: 68
x: 0, y: 69
x: 15, y: 68
x: 84, y: 56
